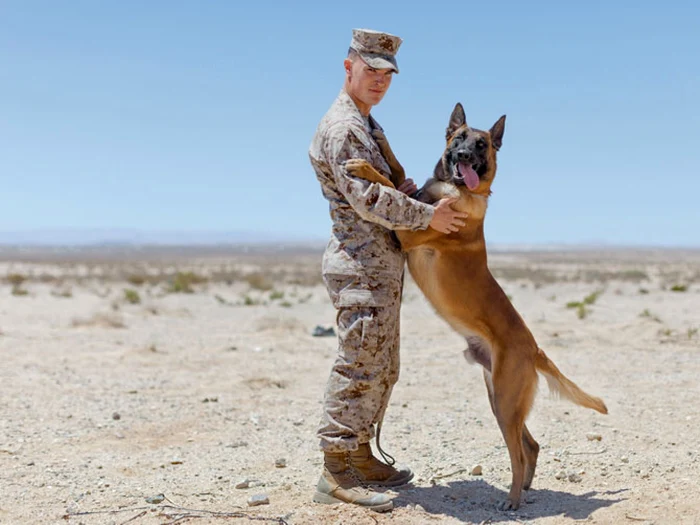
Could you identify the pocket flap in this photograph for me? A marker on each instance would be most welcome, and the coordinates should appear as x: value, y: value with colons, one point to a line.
x: 374, y: 298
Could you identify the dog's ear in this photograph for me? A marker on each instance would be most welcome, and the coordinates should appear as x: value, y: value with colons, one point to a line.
x: 497, y: 131
x: 457, y: 120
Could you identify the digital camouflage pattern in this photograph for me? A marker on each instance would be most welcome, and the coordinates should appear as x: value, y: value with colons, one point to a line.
x: 376, y: 48
x: 366, y: 368
x: 363, y: 213
x: 363, y: 271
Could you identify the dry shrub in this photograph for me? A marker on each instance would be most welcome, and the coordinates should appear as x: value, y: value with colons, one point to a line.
x: 136, y: 279
x: 259, y: 281
x: 538, y: 276
x: 284, y: 324
x: 64, y: 293
x: 16, y: 279
x: 259, y: 383
x: 183, y: 282
x: 101, y: 320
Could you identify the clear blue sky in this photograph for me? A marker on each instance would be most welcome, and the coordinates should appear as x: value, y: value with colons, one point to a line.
x: 198, y: 115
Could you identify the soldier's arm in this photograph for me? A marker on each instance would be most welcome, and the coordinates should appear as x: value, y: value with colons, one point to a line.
x: 371, y: 200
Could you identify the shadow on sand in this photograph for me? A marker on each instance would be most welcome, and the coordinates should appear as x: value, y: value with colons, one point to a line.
x: 475, y: 501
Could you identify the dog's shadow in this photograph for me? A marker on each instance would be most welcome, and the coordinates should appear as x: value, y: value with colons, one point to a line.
x: 476, y: 501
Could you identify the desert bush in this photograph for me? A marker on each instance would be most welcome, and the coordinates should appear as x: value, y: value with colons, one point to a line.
x: 183, y: 282
x: 259, y: 281
x: 646, y: 314
x: 136, y: 279
x: 581, y: 306
x: 104, y: 320
x: 16, y: 279
x: 131, y: 296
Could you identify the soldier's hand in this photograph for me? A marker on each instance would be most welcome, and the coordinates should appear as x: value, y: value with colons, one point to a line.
x: 408, y: 187
x: 445, y: 219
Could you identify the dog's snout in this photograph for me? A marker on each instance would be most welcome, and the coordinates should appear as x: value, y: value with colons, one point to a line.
x: 464, y: 154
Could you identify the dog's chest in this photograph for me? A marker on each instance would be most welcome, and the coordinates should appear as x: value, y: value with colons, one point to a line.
x: 421, y: 262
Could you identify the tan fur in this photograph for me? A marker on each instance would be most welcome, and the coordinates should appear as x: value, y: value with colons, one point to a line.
x: 452, y: 271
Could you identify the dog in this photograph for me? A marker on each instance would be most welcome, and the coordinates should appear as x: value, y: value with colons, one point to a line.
x: 452, y: 272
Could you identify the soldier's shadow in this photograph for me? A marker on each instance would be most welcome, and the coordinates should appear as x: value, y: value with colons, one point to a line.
x: 475, y: 501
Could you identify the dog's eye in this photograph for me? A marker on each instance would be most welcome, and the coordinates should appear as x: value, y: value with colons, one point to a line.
x: 481, y: 143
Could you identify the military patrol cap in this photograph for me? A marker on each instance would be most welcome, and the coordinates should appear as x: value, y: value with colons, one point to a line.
x: 376, y: 48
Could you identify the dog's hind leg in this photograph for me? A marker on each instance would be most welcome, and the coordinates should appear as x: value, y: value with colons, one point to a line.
x: 531, y: 448
x: 479, y: 352
x: 513, y: 392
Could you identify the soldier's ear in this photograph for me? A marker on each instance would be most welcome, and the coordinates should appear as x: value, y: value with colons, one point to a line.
x: 497, y: 131
x: 457, y: 120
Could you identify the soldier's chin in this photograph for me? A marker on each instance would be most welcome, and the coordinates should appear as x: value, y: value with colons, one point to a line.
x: 376, y: 96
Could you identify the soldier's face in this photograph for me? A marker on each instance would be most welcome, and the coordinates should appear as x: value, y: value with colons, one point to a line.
x: 365, y: 83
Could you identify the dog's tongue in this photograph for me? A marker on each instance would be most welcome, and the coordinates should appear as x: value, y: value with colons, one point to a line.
x: 471, y: 179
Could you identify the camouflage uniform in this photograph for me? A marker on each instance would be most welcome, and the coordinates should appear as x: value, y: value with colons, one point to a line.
x: 363, y: 272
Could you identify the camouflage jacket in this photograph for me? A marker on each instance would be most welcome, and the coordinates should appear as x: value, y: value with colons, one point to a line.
x: 363, y: 213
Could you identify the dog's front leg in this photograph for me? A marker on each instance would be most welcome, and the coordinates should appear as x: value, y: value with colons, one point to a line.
x: 398, y: 174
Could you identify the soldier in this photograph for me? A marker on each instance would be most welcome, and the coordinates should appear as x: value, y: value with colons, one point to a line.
x: 363, y: 271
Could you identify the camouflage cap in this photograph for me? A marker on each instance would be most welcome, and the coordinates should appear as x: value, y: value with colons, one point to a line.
x: 376, y: 48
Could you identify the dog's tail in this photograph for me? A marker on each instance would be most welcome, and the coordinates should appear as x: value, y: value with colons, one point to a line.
x: 561, y: 385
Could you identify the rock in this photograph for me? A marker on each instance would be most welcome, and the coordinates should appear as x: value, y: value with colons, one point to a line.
x: 323, y: 331
x: 158, y: 498
x: 476, y: 470
x: 593, y: 436
x: 243, y: 484
x: 561, y: 474
x: 116, y: 416
x: 280, y: 463
x: 574, y: 477
x: 625, y: 459
x: 258, y: 499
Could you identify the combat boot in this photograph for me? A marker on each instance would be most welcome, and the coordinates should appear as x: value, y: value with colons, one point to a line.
x: 372, y: 471
x: 339, y: 484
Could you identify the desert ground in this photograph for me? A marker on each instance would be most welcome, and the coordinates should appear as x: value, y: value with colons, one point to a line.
x: 145, y: 385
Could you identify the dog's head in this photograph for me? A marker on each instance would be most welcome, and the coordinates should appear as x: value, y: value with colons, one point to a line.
x: 469, y: 159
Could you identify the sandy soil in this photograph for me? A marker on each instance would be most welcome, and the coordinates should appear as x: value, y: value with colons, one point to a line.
x: 107, y: 402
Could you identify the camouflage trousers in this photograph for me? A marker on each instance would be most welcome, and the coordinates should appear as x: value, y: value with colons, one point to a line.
x: 367, y: 365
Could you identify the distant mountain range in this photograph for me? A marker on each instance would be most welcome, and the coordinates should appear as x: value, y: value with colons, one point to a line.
x: 130, y: 238
x: 127, y: 237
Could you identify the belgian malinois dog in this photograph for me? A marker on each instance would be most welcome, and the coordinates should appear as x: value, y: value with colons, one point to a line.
x: 452, y: 272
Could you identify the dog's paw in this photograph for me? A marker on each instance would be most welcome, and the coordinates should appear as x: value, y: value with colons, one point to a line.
x: 509, y: 505
x: 357, y: 166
